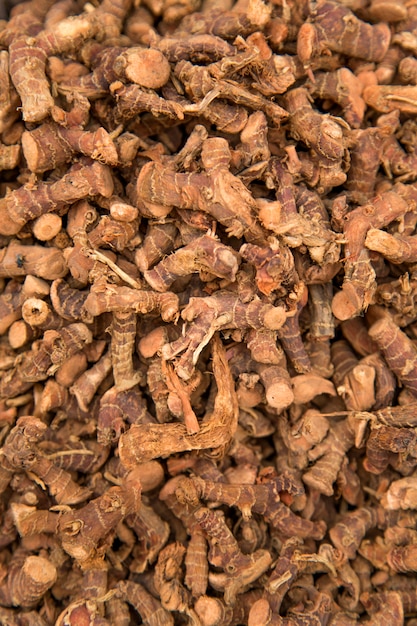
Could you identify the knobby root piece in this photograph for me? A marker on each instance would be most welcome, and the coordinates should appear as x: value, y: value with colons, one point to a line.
x: 143, y: 443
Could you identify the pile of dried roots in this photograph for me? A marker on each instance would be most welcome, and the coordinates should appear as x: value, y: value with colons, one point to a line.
x: 208, y: 313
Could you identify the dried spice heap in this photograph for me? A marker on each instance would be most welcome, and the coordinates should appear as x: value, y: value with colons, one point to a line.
x: 208, y: 318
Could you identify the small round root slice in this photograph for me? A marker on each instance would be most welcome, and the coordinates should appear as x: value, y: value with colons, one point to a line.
x: 278, y: 389
x: 279, y: 395
x: 147, y: 68
x: 275, y: 318
x: 260, y: 613
x: 34, y: 579
x: 210, y: 611
x: 47, y: 226
x: 343, y: 306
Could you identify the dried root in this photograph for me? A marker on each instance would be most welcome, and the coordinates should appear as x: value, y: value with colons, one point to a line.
x: 208, y: 302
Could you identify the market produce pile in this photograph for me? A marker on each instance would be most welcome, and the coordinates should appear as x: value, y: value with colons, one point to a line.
x: 208, y: 317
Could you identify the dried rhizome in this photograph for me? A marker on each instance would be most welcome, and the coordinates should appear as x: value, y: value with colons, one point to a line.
x: 208, y: 361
